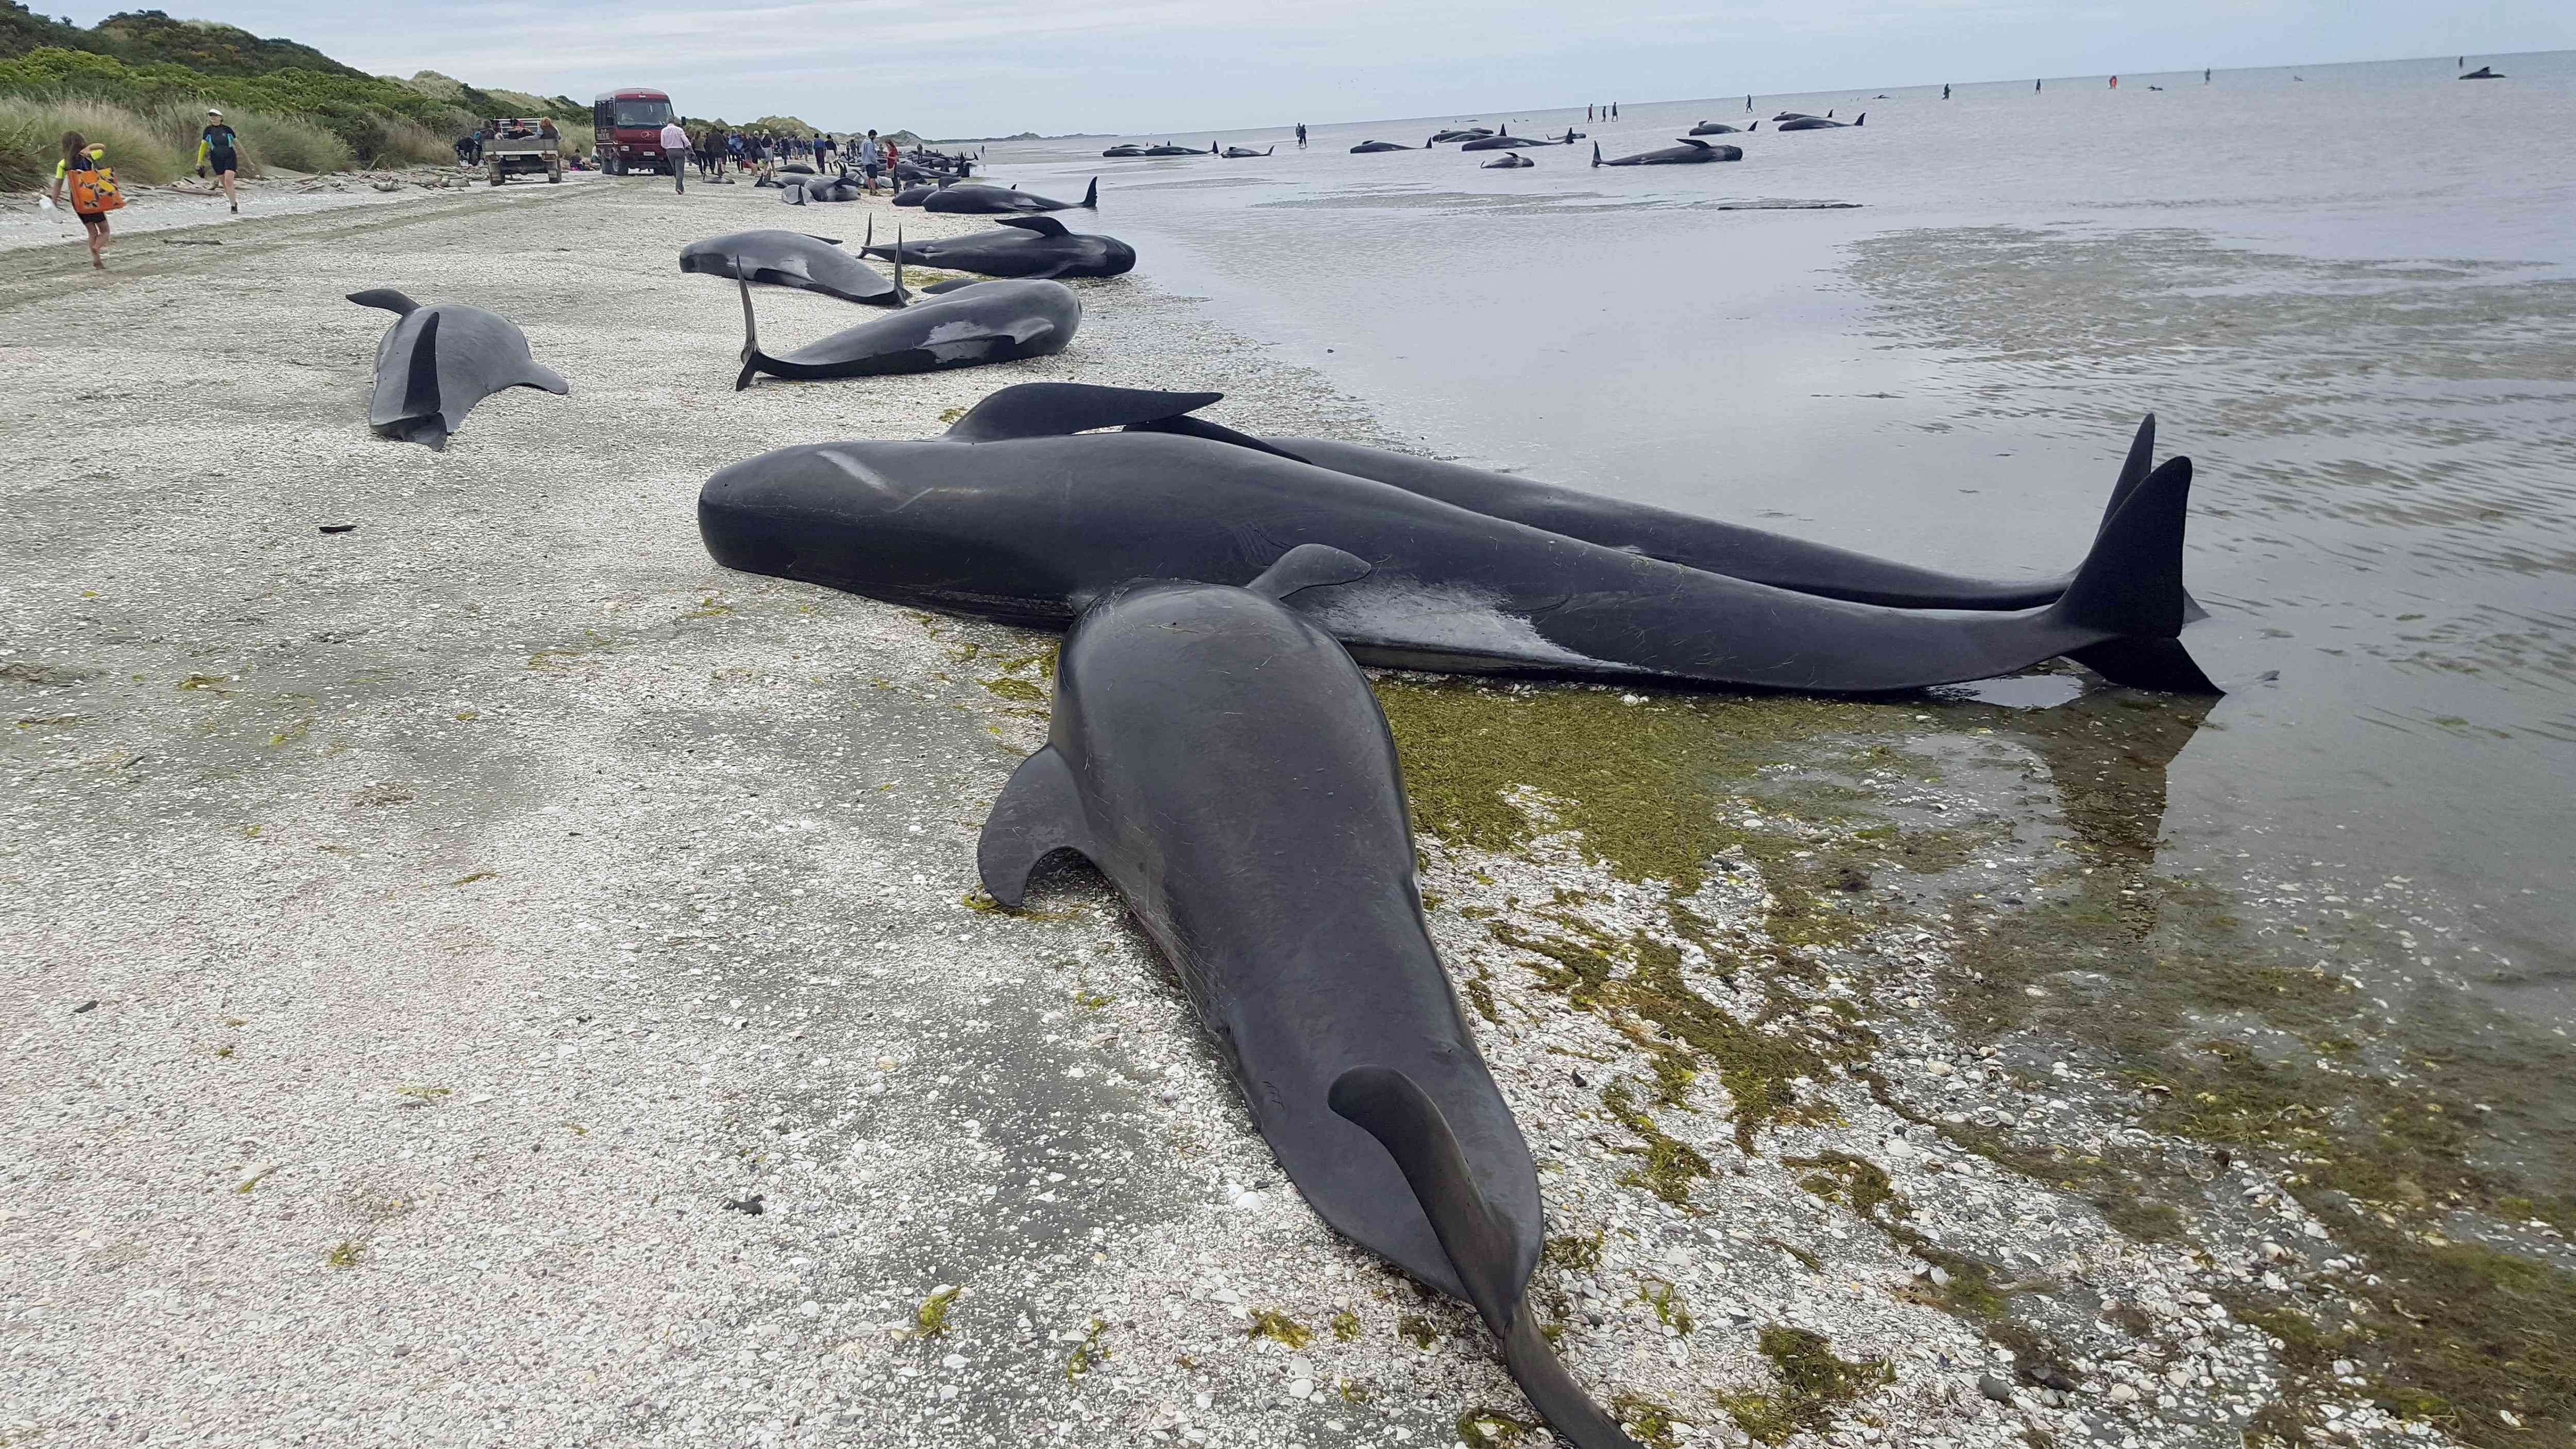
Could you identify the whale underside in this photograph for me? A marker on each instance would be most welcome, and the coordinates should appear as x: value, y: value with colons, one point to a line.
x: 435, y: 363
x: 1017, y: 516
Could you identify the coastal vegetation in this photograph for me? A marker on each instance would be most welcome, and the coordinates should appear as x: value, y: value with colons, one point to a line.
x: 140, y: 83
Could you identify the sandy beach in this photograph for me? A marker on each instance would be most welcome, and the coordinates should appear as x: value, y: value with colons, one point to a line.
x: 490, y: 976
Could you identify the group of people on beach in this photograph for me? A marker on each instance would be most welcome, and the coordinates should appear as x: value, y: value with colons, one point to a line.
x: 90, y: 184
x: 760, y: 153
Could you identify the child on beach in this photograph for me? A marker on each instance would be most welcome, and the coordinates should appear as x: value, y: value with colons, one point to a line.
x: 79, y: 156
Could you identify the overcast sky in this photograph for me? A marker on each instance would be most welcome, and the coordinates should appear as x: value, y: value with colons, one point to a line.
x: 991, y: 67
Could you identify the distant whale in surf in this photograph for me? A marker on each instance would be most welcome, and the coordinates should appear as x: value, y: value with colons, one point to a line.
x: 1371, y: 148
x: 973, y: 200
x: 1753, y: 554
x: 1127, y: 150
x: 1021, y: 516
x: 1468, y: 133
x: 1820, y: 123
x: 1716, y: 128
x: 1239, y: 153
x: 2482, y: 73
x: 1168, y: 149
x: 1222, y: 761
x: 435, y: 363
x: 1688, y: 153
x: 1507, y: 141
x: 1509, y: 161
x: 791, y: 259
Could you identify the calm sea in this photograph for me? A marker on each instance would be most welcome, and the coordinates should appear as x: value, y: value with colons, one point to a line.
x: 2348, y: 291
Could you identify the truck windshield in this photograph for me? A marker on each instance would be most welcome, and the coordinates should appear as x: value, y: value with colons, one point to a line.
x: 642, y: 113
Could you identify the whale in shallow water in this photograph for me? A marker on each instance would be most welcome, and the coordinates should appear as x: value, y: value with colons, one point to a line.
x: 1688, y: 153
x: 791, y: 259
x: 1508, y: 161
x: 1018, y: 516
x: 973, y: 200
x: 1753, y: 554
x: 1715, y: 128
x: 1025, y: 246
x: 1167, y: 149
x: 1462, y: 133
x: 1371, y: 148
x: 1124, y: 151
x: 1241, y: 153
x: 435, y: 363
x: 1820, y: 123
x: 1223, y: 763
x: 1508, y: 142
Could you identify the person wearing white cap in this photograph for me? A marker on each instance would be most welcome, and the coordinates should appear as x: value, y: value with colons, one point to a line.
x: 217, y: 148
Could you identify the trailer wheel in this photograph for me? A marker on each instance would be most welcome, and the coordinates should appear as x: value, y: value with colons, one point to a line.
x: 496, y: 173
x: 554, y: 171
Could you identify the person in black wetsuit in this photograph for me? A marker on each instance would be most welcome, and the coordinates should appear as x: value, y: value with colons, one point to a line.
x: 218, y: 148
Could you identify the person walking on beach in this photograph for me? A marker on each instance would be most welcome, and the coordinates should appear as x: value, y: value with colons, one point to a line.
x: 217, y: 147
x: 675, y: 149
x: 93, y: 196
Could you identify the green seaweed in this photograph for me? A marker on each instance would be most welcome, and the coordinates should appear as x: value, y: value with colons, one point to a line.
x: 1813, y: 1383
x: 1279, y: 1328
x: 930, y: 1320
x: 1671, y: 1164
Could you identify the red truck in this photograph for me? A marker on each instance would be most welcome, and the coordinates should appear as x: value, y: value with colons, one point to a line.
x: 628, y: 125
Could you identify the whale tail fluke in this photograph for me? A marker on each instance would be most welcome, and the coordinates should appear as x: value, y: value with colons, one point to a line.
x: 1091, y: 197
x: 2130, y: 586
x: 1391, y: 1107
x: 387, y: 298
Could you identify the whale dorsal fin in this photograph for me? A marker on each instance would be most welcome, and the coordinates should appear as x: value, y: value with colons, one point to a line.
x: 1042, y: 225
x: 1308, y: 566
x: 1058, y: 409
x: 1040, y: 813
x: 387, y: 298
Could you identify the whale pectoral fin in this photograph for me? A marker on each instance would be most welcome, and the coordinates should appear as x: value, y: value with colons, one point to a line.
x: 421, y: 398
x: 1308, y: 566
x: 1040, y: 813
x: 542, y: 376
x: 1059, y: 409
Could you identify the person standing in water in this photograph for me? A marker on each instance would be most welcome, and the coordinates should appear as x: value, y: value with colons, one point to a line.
x: 1301, y: 135
x: 78, y: 156
x: 1945, y: 93
x: 2034, y: 87
x: 217, y: 148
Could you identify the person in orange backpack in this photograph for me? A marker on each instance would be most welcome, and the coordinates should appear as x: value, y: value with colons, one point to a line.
x: 93, y: 189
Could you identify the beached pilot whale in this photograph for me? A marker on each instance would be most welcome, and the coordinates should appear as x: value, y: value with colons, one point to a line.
x: 973, y: 200
x: 1820, y: 123
x: 1508, y: 161
x: 1223, y: 763
x: 791, y: 259
x: 1241, y: 153
x: 1689, y: 152
x: 1716, y: 128
x: 1371, y: 148
x: 1168, y: 149
x: 2483, y: 73
x: 1506, y: 141
x: 965, y: 326
x: 1017, y: 517
x: 1130, y: 149
x: 1757, y: 555
x: 435, y: 363
x: 1027, y: 246
x: 1463, y: 133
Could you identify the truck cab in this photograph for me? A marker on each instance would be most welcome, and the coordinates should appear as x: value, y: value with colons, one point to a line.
x: 628, y: 125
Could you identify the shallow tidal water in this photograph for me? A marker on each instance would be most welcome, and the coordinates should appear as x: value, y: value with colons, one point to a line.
x: 2346, y: 292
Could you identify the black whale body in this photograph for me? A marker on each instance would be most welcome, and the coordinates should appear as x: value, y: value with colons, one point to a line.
x: 1819, y: 123
x: 1024, y: 246
x: 1714, y: 128
x: 1508, y: 161
x: 1371, y: 148
x: 791, y: 259
x: 1753, y: 554
x: 972, y: 200
x: 1014, y: 518
x: 967, y: 326
x: 1688, y: 153
x: 1224, y: 764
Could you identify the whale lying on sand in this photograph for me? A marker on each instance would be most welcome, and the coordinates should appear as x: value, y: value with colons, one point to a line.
x: 1507, y: 142
x: 1017, y: 516
x: 1128, y: 150
x: 1241, y: 153
x: 1715, y: 128
x: 965, y: 326
x: 1371, y: 148
x: 1688, y: 153
x: 1027, y: 246
x: 1753, y: 554
x: 791, y: 259
x: 435, y: 363
x: 1820, y: 123
x: 1167, y: 149
x: 1466, y: 133
x: 1221, y: 760
x: 1509, y: 161
x: 973, y: 200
